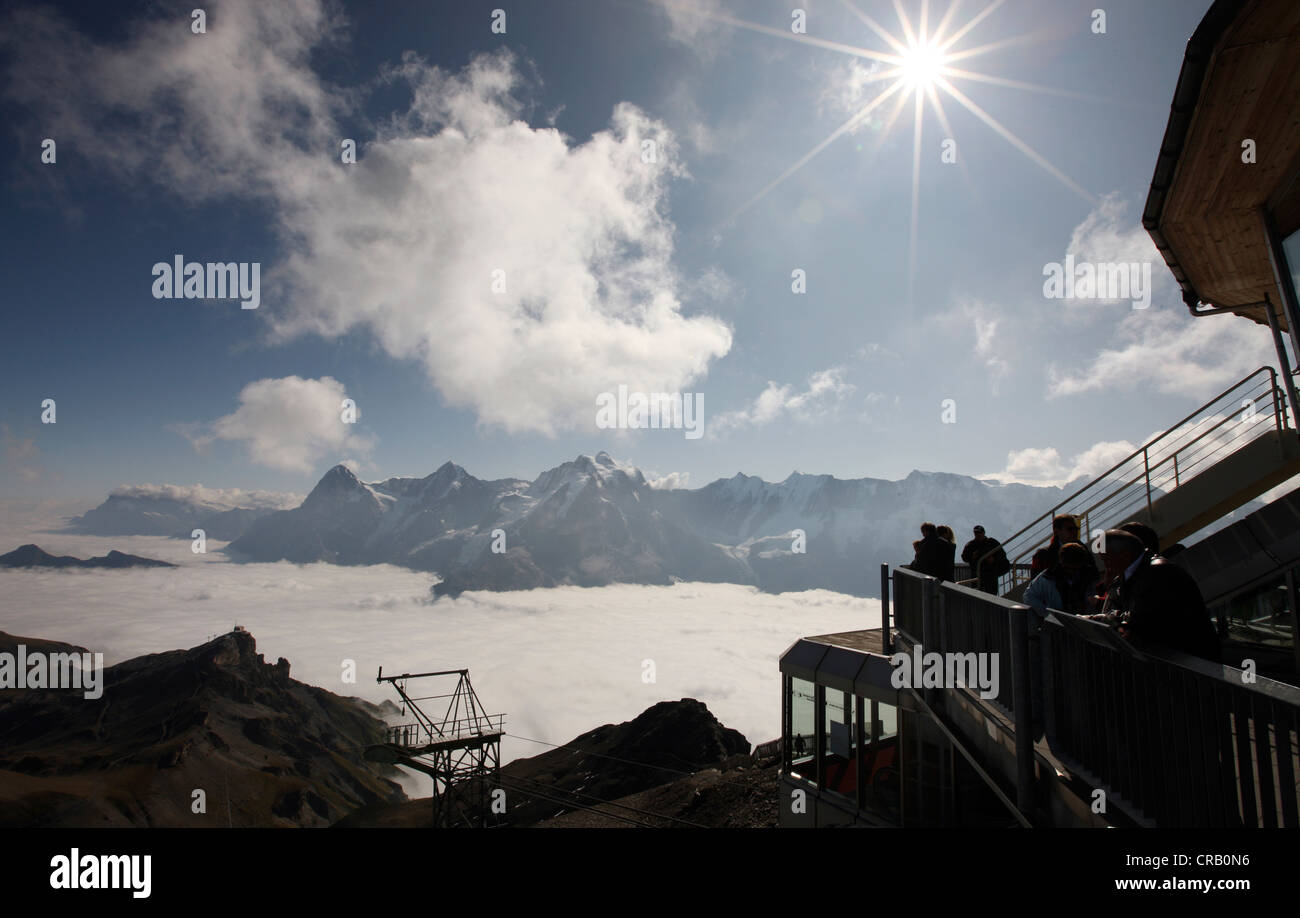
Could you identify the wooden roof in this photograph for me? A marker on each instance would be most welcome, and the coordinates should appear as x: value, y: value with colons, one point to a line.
x: 1240, y: 80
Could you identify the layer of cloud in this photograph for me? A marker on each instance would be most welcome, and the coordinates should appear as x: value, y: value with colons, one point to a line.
x: 824, y: 390
x: 289, y: 424
x: 556, y: 662
x: 218, y: 497
x: 463, y: 238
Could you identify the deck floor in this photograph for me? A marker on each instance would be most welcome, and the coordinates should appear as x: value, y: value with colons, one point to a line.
x: 868, y: 641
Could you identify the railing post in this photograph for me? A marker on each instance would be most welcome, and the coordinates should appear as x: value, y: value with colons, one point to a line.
x: 928, y: 629
x: 1021, y: 700
x: 1284, y: 365
x: 886, y: 638
x: 1146, y: 465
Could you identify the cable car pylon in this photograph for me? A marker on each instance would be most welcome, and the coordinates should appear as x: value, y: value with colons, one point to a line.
x: 461, y: 751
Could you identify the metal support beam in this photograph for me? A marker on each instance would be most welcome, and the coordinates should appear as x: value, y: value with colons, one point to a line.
x: 1021, y: 700
x: 886, y: 636
x: 1284, y: 363
x: 1293, y: 598
x: 1285, y: 286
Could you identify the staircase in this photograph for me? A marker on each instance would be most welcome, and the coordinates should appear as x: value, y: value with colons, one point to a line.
x: 1224, y: 454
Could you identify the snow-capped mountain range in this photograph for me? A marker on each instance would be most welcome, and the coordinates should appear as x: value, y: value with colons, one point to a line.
x: 594, y: 520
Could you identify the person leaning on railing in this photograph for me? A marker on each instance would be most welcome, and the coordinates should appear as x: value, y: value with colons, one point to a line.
x: 933, y: 555
x: 1154, y: 601
x: 1065, y: 587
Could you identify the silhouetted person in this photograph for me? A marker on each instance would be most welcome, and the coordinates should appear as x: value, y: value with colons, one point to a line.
x: 1150, y: 540
x: 949, y: 558
x: 931, y: 553
x: 1066, y: 587
x: 1065, y: 528
x: 1157, y: 602
x: 987, y: 560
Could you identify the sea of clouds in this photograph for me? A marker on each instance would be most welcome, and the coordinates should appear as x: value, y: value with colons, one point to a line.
x: 558, y: 662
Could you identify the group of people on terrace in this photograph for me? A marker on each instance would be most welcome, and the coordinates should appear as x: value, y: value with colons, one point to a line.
x: 936, y: 550
x: 1133, y: 587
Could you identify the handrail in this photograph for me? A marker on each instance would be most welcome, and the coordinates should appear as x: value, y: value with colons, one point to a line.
x: 1114, y: 488
x: 1171, y: 739
x: 416, y: 733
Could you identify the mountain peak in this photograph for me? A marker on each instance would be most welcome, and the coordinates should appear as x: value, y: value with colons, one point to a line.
x: 342, y: 473
x: 338, y: 482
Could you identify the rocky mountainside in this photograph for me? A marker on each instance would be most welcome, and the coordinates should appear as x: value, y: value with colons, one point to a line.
x: 34, y: 556
x: 594, y: 521
x: 265, y: 749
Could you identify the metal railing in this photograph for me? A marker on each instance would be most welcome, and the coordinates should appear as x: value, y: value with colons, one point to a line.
x: 419, y: 734
x: 1170, y: 738
x: 1230, y: 420
x: 964, y: 574
x: 1182, y: 741
x: 946, y: 618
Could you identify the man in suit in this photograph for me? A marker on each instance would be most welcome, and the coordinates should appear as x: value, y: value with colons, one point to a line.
x: 1157, y: 602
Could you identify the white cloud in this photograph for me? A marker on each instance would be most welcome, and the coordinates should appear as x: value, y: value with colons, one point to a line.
x: 290, y: 424
x: 978, y: 322
x: 1165, y: 351
x: 405, y: 242
x: 669, y: 482
x: 874, y: 350
x: 825, y: 389
x: 849, y: 86
x: 1160, y: 348
x: 1199, y: 444
x: 1107, y: 237
x: 1044, y: 466
x: 695, y: 23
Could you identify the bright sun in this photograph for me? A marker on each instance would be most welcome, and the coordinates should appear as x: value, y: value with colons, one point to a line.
x: 922, y: 64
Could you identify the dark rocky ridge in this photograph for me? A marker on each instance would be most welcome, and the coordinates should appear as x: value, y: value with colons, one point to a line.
x: 31, y: 555
x: 266, y: 749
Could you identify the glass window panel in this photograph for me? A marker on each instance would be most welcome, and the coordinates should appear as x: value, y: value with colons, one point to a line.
x: 888, y: 715
x: 1291, y: 251
x: 803, y: 728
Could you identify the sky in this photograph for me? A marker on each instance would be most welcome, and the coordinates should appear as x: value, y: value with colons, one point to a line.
x: 727, y: 200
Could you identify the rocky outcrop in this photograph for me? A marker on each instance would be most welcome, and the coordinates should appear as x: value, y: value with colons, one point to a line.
x: 211, y: 736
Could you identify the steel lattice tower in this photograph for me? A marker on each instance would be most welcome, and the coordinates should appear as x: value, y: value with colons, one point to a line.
x: 461, y: 751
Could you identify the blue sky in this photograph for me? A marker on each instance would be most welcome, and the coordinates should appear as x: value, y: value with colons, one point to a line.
x: 523, y: 152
